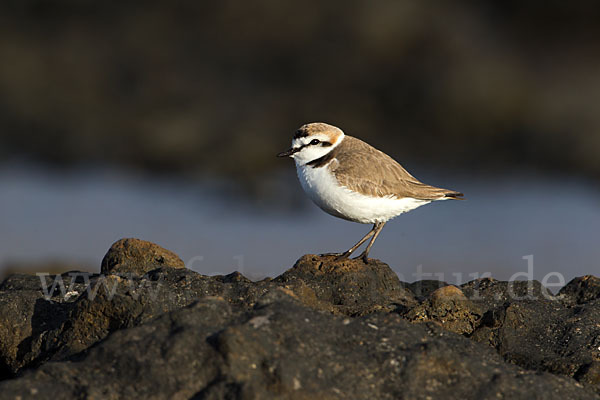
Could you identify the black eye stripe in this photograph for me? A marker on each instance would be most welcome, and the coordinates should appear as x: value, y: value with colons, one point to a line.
x: 324, y: 144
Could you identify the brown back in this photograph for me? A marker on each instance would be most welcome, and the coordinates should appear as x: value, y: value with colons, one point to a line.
x: 362, y: 168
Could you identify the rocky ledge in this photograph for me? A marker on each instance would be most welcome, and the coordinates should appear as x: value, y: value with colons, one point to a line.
x: 147, y: 327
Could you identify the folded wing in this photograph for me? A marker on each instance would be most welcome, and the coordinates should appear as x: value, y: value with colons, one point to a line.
x: 362, y: 168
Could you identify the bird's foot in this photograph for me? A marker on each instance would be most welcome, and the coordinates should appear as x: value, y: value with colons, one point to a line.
x: 331, y: 254
x: 338, y: 256
x: 363, y: 257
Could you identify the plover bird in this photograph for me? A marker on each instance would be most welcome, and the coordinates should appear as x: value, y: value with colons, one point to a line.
x: 350, y: 179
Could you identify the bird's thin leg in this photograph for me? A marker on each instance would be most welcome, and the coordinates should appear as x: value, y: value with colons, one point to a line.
x: 377, y: 230
x: 352, y: 249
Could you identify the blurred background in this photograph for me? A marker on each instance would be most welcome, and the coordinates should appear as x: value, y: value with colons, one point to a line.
x: 161, y: 120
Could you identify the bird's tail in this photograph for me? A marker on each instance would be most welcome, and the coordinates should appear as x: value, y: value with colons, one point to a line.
x: 454, y: 195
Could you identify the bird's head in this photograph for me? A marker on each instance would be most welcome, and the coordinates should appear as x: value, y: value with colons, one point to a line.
x: 313, y: 141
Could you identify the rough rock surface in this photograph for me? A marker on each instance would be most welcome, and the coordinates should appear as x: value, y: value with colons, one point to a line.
x: 581, y: 290
x: 322, y: 329
x: 535, y: 330
x: 348, y: 287
x: 450, y: 307
x: 283, y: 349
x: 137, y: 256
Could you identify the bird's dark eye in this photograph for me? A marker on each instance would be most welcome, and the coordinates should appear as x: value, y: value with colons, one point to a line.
x: 315, y: 141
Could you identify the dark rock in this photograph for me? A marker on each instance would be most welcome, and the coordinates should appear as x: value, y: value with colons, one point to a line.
x: 489, y: 293
x: 348, y: 286
x: 21, y: 282
x: 323, y: 329
x: 28, y: 310
x: 537, y: 331
x: 110, y: 303
x: 581, y: 290
x: 589, y: 373
x: 546, y: 336
x: 138, y: 256
x: 16, y: 311
x: 283, y: 349
x: 422, y: 289
x: 450, y: 307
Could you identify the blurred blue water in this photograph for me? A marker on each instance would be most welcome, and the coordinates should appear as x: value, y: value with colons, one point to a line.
x: 77, y: 216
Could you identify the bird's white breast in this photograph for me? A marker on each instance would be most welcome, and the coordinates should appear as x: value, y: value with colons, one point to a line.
x: 323, y: 188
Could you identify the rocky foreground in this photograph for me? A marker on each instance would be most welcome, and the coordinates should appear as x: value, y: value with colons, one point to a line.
x: 148, y: 328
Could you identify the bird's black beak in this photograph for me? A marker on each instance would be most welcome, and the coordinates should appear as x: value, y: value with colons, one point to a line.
x: 288, y: 153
